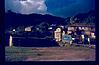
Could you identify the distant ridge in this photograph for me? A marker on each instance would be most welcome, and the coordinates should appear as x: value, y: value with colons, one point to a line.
x: 16, y: 19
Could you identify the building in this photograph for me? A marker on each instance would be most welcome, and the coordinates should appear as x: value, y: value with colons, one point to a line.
x: 78, y: 32
x: 58, y: 34
x: 82, y: 32
x: 67, y: 38
x: 28, y: 29
x: 87, y: 28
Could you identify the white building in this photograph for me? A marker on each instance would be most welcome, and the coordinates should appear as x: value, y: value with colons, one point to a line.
x: 29, y: 29
x: 57, y: 34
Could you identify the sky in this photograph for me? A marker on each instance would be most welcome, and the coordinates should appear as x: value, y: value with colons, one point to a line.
x: 61, y: 8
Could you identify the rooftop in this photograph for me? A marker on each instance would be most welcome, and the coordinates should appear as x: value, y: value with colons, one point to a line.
x: 82, y: 24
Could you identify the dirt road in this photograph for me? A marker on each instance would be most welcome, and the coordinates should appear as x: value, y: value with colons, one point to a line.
x: 49, y: 54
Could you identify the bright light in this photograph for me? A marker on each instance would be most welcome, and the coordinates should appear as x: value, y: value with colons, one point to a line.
x: 14, y: 30
x: 50, y: 28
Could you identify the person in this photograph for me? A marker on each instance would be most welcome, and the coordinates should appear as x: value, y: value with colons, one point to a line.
x: 89, y: 40
x: 71, y: 42
x: 73, y: 39
x: 82, y: 37
x: 86, y: 39
x: 78, y: 32
x: 77, y: 39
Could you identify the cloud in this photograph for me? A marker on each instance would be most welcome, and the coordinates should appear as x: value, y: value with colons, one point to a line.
x: 62, y: 8
x: 26, y: 6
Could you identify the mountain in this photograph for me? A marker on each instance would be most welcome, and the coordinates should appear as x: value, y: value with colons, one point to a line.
x: 85, y: 17
x: 15, y: 19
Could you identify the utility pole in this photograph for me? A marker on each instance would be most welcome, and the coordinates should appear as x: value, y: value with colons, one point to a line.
x: 10, y: 41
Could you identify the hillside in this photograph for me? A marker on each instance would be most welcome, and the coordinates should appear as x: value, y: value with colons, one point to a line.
x: 15, y: 19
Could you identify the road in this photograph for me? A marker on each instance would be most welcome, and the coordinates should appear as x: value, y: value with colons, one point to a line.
x: 49, y: 54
